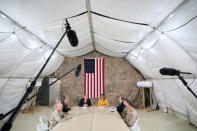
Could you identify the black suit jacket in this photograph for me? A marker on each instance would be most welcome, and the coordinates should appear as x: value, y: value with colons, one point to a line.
x: 82, y: 102
x: 121, y: 107
x: 65, y: 107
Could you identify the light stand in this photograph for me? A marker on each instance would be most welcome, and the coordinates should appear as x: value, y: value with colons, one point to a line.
x: 6, y: 114
x: 185, y: 83
x: 8, y: 125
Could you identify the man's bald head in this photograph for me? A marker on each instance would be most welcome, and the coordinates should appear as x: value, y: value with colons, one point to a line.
x: 59, y: 107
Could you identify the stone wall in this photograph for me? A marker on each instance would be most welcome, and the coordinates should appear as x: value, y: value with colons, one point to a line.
x: 120, y: 79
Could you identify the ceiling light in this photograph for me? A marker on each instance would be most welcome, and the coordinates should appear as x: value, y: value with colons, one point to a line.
x: 13, y: 36
x: 40, y: 49
x: 3, y: 16
x: 171, y: 16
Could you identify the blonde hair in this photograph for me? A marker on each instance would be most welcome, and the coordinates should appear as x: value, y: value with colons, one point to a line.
x: 103, y: 95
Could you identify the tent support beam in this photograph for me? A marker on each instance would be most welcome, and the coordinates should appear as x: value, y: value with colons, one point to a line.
x: 26, y: 30
x: 90, y: 22
x: 157, y: 27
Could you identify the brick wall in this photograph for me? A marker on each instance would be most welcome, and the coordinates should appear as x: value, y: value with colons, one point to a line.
x: 120, y: 79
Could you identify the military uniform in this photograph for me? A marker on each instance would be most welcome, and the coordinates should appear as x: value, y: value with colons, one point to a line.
x: 130, y: 117
x: 57, y: 117
x: 124, y: 113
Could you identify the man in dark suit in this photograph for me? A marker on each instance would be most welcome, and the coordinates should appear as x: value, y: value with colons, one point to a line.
x: 65, y: 105
x: 84, y: 102
x: 121, y: 105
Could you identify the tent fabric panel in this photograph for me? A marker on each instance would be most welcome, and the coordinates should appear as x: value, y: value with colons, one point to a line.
x: 65, y: 45
x: 52, y: 33
x: 53, y: 64
x: 29, y: 65
x: 105, y: 51
x: 12, y: 52
x: 190, y: 100
x: 11, y: 94
x: 34, y: 13
x: 147, y: 62
x: 173, y: 96
x: 150, y: 12
x: 84, y: 50
x: 159, y: 96
x: 113, y: 45
x: 118, y: 30
x: 181, y: 27
x: 166, y: 49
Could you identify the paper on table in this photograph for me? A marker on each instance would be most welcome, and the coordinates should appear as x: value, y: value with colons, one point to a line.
x: 112, y: 108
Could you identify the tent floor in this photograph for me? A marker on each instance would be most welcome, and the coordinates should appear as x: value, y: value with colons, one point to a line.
x: 149, y: 121
x: 160, y: 121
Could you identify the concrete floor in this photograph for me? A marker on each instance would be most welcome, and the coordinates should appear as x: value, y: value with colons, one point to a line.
x: 29, y: 121
x: 149, y: 121
x: 160, y: 121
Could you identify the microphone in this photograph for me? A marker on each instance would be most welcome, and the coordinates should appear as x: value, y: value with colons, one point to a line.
x: 71, y: 34
x: 171, y: 71
x: 78, y: 70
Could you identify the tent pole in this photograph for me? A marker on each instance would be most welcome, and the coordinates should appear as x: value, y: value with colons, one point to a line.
x: 90, y: 22
x: 185, y: 83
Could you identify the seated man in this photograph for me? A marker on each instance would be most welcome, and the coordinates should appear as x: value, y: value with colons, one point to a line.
x: 129, y: 114
x: 57, y: 116
x: 121, y: 105
x: 58, y: 100
x: 102, y: 101
x: 84, y: 102
x: 65, y: 105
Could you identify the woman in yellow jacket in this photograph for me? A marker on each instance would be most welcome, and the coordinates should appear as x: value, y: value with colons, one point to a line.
x: 102, y: 101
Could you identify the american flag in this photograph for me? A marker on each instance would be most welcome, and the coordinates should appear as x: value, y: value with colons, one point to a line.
x: 94, y: 77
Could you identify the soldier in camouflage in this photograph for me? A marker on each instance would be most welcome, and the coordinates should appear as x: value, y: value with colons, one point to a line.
x: 129, y: 114
x: 58, y: 116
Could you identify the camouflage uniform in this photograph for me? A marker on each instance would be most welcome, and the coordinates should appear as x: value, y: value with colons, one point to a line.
x: 57, y: 117
x: 131, y: 117
x: 124, y: 113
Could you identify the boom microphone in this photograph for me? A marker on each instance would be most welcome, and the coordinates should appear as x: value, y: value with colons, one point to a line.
x: 171, y: 71
x: 78, y: 70
x: 71, y: 34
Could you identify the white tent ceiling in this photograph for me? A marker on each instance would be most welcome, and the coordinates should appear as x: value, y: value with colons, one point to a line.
x: 150, y: 34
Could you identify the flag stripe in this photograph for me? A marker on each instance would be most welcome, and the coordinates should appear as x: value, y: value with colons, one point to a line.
x: 97, y: 76
x: 103, y: 78
x: 100, y: 75
x: 89, y: 86
x: 94, y: 87
x: 99, y: 91
x: 94, y: 77
x: 88, y: 83
x: 84, y: 83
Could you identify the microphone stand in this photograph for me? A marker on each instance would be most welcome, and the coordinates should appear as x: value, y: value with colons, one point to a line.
x: 8, y: 125
x: 185, y: 83
x: 3, y: 116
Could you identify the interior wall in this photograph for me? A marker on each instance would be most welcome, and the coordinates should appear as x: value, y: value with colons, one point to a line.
x: 120, y: 79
